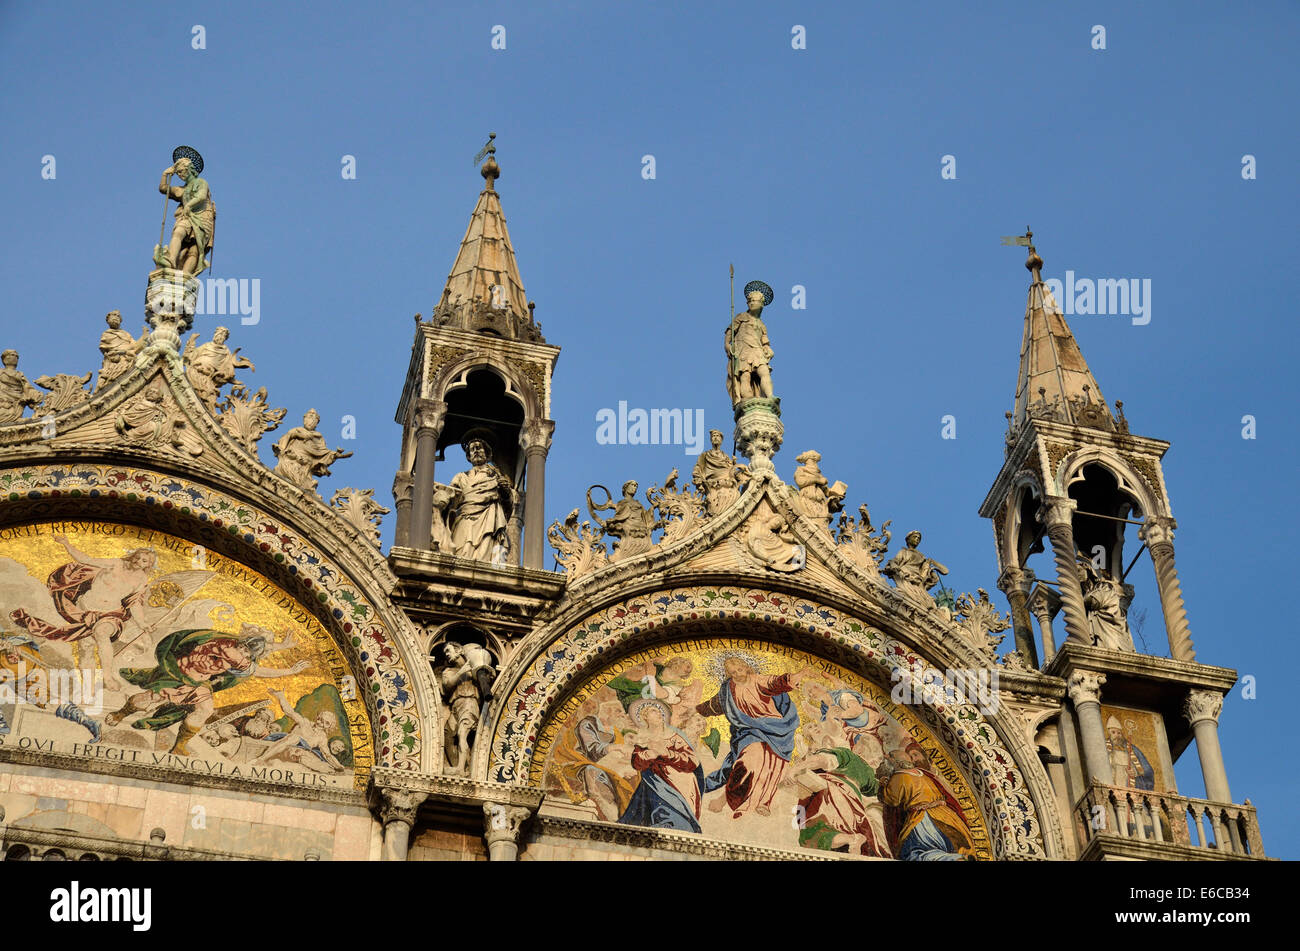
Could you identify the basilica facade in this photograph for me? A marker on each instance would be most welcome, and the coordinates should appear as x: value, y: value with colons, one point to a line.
x: 202, y: 657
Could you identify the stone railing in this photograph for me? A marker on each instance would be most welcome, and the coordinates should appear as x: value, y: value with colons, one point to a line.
x: 1141, y: 815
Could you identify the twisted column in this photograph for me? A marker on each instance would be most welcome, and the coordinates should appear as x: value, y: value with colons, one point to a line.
x: 535, y: 440
x: 1158, y: 533
x: 429, y: 417
x: 1016, y: 584
x: 1057, y: 515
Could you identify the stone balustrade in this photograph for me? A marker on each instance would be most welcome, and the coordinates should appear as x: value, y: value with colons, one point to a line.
x: 1142, y: 815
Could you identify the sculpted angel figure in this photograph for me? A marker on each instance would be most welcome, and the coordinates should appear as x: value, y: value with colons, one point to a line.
x: 631, y: 525
x: 16, y: 394
x: 118, y: 347
x: 913, y: 573
x: 212, y: 365
x: 717, y: 476
x: 303, y: 453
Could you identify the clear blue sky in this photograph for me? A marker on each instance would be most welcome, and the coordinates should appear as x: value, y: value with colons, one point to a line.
x: 818, y: 167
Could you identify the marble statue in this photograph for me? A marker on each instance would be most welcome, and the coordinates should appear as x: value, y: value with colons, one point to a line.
x: 771, y: 542
x: 912, y: 572
x: 1101, y: 604
x: 16, y: 394
x: 717, y: 476
x: 212, y: 365
x: 196, y: 215
x: 466, y: 683
x: 631, y: 525
x: 303, y: 453
x: 119, y: 349
x: 749, y: 372
x: 817, y: 498
x: 479, y: 507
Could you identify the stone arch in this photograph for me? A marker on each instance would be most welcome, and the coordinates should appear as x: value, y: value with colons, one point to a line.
x: 1070, y: 470
x: 349, y: 603
x: 996, y: 757
x: 451, y: 376
x: 1024, y: 488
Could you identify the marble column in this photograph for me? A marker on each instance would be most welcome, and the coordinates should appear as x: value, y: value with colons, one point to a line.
x: 502, y: 826
x: 1202, y: 709
x: 402, y: 483
x: 397, y: 811
x: 1084, y: 688
x: 429, y: 417
x: 1158, y: 533
x: 1057, y: 515
x: 535, y: 439
x: 1044, y: 603
x: 1016, y: 583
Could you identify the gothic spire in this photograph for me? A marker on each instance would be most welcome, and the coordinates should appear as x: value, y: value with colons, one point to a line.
x: 1054, y: 380
x: 486, y: 258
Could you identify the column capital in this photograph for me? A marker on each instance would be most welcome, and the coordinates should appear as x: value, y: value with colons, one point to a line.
x: 402, y: 483
x: 1202, y: 705
x: 398, y: 805
x: 1158, y: 531
x: 1044, y: 602
x: 1016, y: 579
x: 1085, y: 686
x: 503, y: 823
x: 535, y: 436
x: 1056, y: 512
x: 428, y: 416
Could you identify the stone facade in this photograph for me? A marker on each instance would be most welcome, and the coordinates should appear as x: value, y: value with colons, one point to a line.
x: 734, y: 669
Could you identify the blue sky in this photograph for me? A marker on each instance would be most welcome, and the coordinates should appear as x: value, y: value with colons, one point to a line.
x: 818, y: 167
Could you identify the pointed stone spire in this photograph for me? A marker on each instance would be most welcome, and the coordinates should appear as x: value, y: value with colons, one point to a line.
x: 486, y: 260
x: 1054, y: 381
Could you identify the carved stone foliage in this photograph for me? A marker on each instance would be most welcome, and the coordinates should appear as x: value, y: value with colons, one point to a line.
x: 859, y: 541
x: 360, y: 510
x: 681, y: 512
x: 981, y: 622
x: 579, y: 549
x: 1202, y: 705
x: 248, y: 419
x: 65, y: 391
